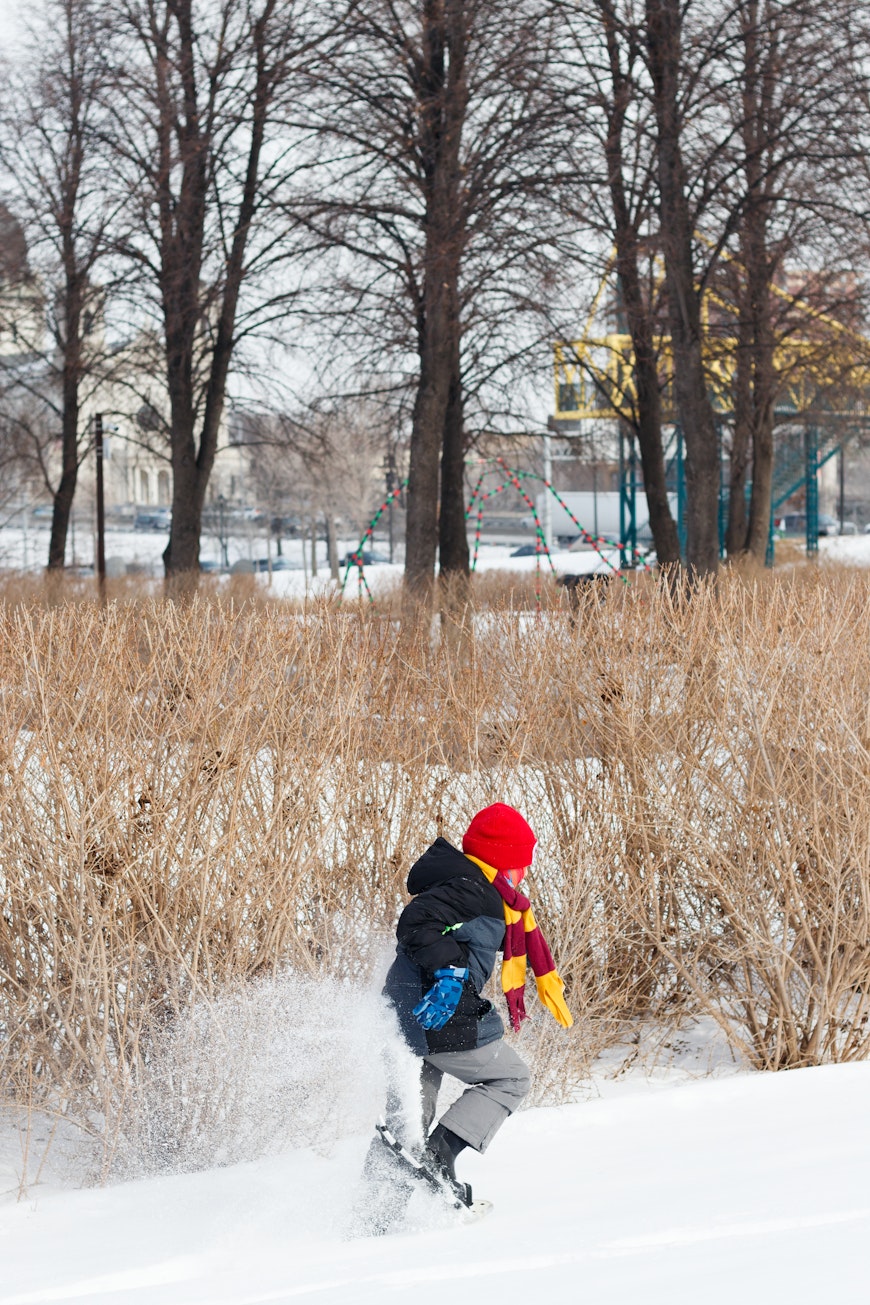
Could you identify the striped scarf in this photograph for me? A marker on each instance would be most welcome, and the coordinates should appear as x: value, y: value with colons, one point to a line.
x: 523, y: 938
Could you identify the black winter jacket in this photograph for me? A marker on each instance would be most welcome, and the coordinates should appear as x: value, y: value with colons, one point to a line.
x: 456, y: 918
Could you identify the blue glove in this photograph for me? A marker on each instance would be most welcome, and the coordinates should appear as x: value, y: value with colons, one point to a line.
x: 440, y: 1002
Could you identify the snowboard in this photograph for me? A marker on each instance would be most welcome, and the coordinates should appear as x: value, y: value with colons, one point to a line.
x: 456, y: 1194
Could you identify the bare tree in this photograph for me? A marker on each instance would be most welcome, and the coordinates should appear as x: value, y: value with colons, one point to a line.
x: 448, y: 146
x: 784, y: 193
x: 606, y: 57
x: 752, y: 105
x: 664, y: 29
x: 55, y: 175
x: 322, y: 466
x: 198, y: 148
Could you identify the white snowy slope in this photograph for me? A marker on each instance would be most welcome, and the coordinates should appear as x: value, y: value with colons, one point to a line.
x: 753, y: 1189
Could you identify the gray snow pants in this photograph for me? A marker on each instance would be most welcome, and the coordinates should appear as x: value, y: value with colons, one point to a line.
x: 498, y: 1080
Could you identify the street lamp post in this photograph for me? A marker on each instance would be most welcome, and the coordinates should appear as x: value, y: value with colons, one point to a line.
x: 101, y: 506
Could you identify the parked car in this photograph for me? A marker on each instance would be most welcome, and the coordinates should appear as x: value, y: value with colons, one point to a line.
x: 156, y: 518
x: 527, y: 550
x: 368, y: 558
x: 276, y: 564
x: 795, y: 523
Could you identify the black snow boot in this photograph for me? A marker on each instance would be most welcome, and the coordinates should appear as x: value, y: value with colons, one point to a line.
x: 444, y: 1147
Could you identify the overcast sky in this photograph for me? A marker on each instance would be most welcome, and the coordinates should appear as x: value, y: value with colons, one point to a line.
x: 10, y: 20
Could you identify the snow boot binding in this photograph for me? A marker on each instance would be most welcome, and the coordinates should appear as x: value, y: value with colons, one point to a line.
x: 430, y: 1169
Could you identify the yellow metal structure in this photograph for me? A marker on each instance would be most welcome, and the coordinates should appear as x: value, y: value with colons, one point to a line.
x: 594, y: 377
x: 822, y: 368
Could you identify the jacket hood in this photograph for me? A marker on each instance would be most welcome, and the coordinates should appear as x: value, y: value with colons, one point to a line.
x: 438, y: 865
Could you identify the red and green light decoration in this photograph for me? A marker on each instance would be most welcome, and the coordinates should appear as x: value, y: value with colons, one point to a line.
x: 511, y: 477
x: 356, y: 558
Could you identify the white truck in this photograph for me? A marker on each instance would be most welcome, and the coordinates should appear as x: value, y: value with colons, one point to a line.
x: 597, y: 513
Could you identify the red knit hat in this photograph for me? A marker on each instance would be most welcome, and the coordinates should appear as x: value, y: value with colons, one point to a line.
x: 501, y: 837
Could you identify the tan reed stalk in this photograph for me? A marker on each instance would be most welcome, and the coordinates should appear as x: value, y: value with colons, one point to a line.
x: 197, y: 796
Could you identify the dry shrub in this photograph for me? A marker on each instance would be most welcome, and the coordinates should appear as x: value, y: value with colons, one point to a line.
x: 790, y: 552
x: 197, y: 796
x: 734, y: 759
x: 520, y: 591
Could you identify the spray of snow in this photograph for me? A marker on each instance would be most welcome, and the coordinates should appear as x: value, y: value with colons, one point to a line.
x: 287, y: 1063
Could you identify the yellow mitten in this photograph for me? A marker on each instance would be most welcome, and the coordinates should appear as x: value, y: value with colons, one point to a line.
x: 550, y: 989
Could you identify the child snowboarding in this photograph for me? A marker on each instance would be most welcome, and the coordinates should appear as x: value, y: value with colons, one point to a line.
x: 466, y: 907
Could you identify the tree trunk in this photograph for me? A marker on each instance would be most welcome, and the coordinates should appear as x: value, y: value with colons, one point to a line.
x: 331, y: 546
x: 454, y: 586
x: 427, y: 433
x: 181, y: 555
x: 764, y: 387
x: 65, y: 493
x: 758, y: 129
x: 648, y: 425
x: 442, y: 97
x: 684, y: 304
x: 453, y: 532
x: 737, y: 530
x: 185, y: 144
x: 70, y: 338
x: 649, y: 409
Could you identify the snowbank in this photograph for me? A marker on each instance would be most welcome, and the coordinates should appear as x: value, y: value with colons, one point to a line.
x: 750, y: 1188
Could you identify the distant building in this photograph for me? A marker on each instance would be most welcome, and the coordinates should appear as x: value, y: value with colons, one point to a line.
x: 127, y: 388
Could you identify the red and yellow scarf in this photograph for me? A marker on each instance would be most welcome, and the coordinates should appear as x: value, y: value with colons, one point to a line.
x: 523, y: 938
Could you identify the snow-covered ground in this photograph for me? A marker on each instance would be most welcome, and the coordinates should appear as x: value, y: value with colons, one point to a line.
x: 140, y: 551
x: 26, y: 549
x: 747, y: 1188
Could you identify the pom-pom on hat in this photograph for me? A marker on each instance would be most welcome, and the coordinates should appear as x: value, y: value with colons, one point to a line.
x: 501, y: 837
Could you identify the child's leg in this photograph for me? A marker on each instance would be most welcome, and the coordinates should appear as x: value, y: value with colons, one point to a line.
x: 430, y: 1084
x: 386, y: 1188
x: 498, y: 1081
